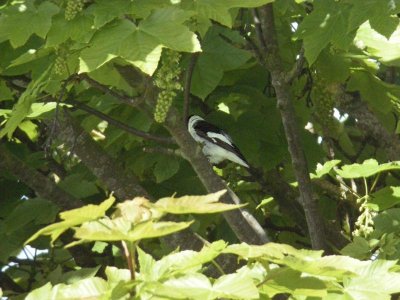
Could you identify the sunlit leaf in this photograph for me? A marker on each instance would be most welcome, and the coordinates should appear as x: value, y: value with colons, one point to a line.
x: 195, y: 204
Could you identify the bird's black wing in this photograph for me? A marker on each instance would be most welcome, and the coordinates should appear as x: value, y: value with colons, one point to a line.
x: 204, y: 129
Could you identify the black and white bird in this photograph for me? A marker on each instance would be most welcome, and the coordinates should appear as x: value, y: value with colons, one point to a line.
x: 217, y: 145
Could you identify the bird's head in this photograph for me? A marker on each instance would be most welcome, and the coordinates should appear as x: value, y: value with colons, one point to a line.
x: 191, y: 120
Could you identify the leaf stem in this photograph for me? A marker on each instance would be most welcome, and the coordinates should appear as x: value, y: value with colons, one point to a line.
x: 129, y: 252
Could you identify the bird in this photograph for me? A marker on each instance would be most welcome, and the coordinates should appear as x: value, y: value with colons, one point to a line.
x: 217, y: 145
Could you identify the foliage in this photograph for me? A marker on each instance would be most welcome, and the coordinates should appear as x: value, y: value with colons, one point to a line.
x: 92, y: 104
x: 270, y: 269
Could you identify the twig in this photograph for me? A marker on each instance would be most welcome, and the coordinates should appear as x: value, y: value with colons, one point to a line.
x: 105, y: 89
x: 259, y: 33
x: 116, y: 123
x: 160, y: 150
x: 270, y: 225
x: 49, y: 139
x: 278, y: 75
x: 297, y: 68
x: 129, y: 259
x: 188, y: 82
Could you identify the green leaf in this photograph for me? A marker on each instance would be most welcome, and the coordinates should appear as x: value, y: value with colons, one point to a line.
x: 386, y: 50
x: 75, y: 276
x: 333, y: 67
x: 37, y: 211
x: 387, y: 221
x: 368, y: 168
x: 376, y: 281
x: 147, y: 263
x: 165, y: 25
x: 79, y: 29
x: 182, y: 262
x: 74, y: 217
x: 286, y: 280
x: 378, y: 12
x: 271, y: 251
x: 327, y: 24
x: 5, y: 92
x: 108, y: 75
x: 39, y: 109
x: 301, y: 260
x: 385, y: 198
x: 44, y: 292
x: 193, y: 286
x: 235, y: 286
x: 371, y: 87
x: 358, y: 248
x: 141, y: 46
x: 88, y: 212
x: 332, y: 265
x: 325, y: 168
x: 77, y: 186
x: 104, y: 11
x: 165, y: 168
x: 195, y: 204
x: 29, y: 56
x: 115, y: 275
x: 217, y: 57
x: 30, y: 129
x: 219, y: 10
x: 21, y: 20
x: 105, y: 45
x: 120, y: 229
x: 143, y: 8
x: 89, y: 288
x: 99, y: 247
x: 22, y: 108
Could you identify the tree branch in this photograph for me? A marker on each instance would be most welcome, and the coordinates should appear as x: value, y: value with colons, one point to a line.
x: 105, y: 89
x: 367, y: 121
x: 124, y: 184
x: 188, y: 83
x: 275, y: 66
x: 259, y: 32
x: 42, y: 185
x: 116, y: 123
x: 297, y: 68
x: 161, y: 150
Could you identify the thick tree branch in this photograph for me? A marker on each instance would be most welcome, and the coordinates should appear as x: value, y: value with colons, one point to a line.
x: 367, y: 121
x: 279, y: 81
x: 116, y: 123
x: 42, y: 185
x: 110, y: 172
x: 188, y: 83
